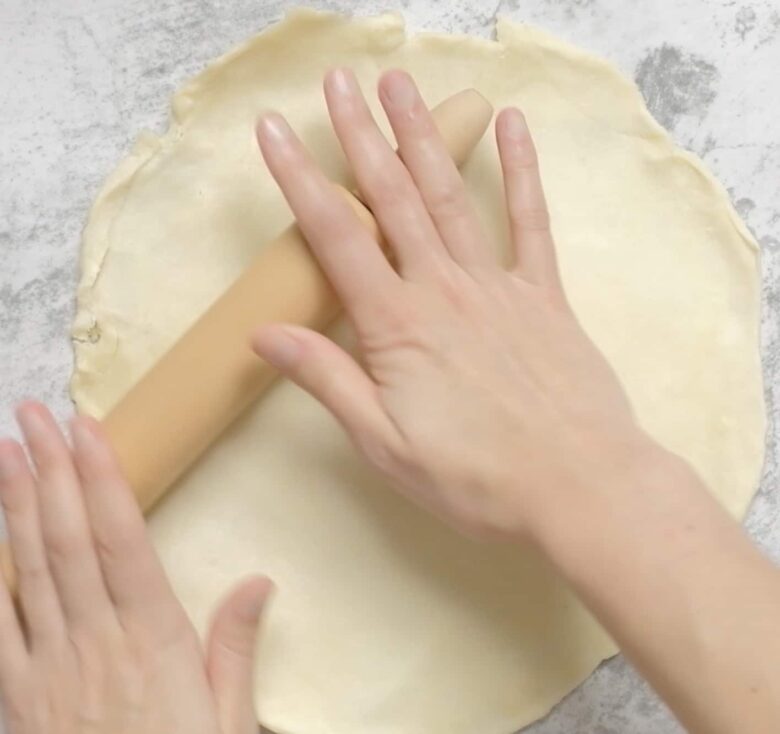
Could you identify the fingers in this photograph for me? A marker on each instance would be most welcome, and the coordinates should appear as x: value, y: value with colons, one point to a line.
x: 37, y: 593
x: 433, y: 170
x: 349, y: 255
x: 329, y: 374
x: 13, y: 652
x: 133, y: 574
x: 230, y: 655
x: 382, y: 178
x: 65, y: 528
x: 526, y: 205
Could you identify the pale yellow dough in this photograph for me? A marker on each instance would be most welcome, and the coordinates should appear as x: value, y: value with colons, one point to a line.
x: 385, y: 621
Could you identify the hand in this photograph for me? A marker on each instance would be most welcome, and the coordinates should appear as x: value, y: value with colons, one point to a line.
x: 102, y: 646
x: 481, y: 397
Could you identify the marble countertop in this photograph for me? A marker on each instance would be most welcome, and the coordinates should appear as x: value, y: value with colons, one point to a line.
x: 79, y: 79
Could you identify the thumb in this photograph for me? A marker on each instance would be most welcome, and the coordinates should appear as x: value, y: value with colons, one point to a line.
x: 231, y: 652
x: 329, y: 374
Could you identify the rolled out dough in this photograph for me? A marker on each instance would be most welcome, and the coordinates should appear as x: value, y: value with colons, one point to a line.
x: 386, y: 622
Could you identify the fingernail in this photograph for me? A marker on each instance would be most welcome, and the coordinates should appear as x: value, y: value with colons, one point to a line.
x: 31, y: 420
x: 400, y: 90
x: 282, y: 350
x: 514, y: 124
x: 83, y: 438
x: 343, y: 82
x: 274, y: 127
x: 9, y: 460
x: 253, y: 606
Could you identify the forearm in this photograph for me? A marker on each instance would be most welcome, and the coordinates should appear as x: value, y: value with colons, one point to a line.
x: 691, y: 602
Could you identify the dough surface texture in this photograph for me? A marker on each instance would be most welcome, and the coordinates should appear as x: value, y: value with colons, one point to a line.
x: 385, y: 621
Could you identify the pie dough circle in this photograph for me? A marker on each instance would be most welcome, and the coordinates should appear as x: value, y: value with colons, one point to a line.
x: 386, y: 621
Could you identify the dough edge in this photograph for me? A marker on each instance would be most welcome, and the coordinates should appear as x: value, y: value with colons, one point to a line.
x: 391, y: 29
x: 148, y: 145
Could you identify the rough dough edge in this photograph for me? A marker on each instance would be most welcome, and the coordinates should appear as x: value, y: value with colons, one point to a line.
x: 523, y: 33
x: 96, y: 234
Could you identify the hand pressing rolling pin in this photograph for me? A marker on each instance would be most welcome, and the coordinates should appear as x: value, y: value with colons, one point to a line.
x: 173, y: 413
x: 540, y: 446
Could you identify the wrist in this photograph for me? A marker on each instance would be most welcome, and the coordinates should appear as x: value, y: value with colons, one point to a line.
x: 621, y: 484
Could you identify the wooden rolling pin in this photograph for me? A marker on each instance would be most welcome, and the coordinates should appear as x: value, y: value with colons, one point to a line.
x: 211, y: 375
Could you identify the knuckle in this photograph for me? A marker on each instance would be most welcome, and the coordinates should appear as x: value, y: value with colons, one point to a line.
x: 65, y: 545
x: 19, y: 691
x: 94, y: 700
x: 385, y: 455
x: 319, y: 207
x: 167, y: 628
x: 32, y: 574
x: 447, y: 202
x: 331, y: 219
x: 125, y: 668
x: 15, y: 506
x: 531, y: 219
x: 89, y: 646
x: 105, y: 663
x: 389, y: 191
x: 391, y: 316
x: 55, y: 464
x: 121, y: 543
x: 90, y: 711
x: 17, y: 707
x: 454, y: 287
x: 132, y: 683
x: 237, y: 641
x: 91, y: 676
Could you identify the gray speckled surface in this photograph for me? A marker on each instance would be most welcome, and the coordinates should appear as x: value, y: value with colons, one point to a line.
x: 79, y: 79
